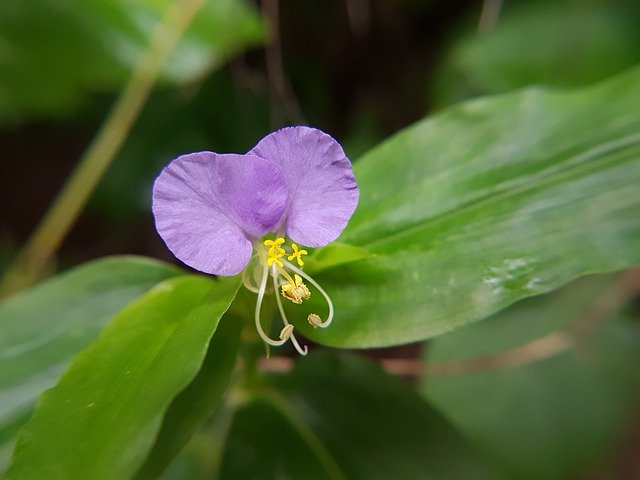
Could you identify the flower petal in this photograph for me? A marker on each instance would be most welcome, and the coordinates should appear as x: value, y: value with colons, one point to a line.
x: 209, y: 207
x: 320, y: 178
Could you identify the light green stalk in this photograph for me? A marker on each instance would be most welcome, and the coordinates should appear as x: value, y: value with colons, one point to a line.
x: 50, y: 233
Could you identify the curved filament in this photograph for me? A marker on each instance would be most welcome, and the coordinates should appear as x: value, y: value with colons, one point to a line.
x: 295, y: 269
x: 263, y: 287
x: 301, y: 351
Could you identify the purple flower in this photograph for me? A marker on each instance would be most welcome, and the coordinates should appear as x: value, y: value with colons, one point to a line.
x: 212, y: 209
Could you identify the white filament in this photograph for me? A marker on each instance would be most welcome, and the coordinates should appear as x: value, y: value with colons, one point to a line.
x: 274, y: 276
x: 263, y: 287
x: 295, y: 269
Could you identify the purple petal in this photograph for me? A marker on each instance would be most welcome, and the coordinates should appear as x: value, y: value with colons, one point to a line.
x: 210, y: 207
x: 320, y: 177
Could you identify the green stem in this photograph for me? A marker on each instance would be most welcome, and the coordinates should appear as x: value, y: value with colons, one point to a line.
x: 62, y: 214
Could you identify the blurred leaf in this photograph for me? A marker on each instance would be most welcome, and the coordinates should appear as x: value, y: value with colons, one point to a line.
x: 41, y: 330
x: 101, y: 419
x: 188, y: 465
x: 333, y: 255
x: 338, y: 417
x: 560, y: 43
x: 197, y: 403
x: 264, y: 445
x: 49, y: 67
x: 553, y: 419
x: 489, y: 202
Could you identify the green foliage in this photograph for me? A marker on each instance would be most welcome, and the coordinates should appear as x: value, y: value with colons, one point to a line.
x: 101, y: 419
x: 334, y: 255
x: 41, y: 330
x: 553, y: 419
x: 197, y: 403
x: 339, y: 417
x: 561, y: 43
x: 487, y: 203
x: 461, y: 215
x: 93, y: 45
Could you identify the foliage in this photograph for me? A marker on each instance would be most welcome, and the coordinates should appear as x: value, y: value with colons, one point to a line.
x: 528, y: 195
x: 564, y: 43
x: 141, y: 361
x: 131, y: 368
x: 40, y: 332
x: 94, y: 45
x: 553, y: 419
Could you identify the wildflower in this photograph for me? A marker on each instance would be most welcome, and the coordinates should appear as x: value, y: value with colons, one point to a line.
x: 214, y: 210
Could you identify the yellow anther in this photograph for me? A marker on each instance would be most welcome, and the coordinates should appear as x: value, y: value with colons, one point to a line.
x: 297, y: 291
x: 274, y: 246
x: 297, y: 254
x: 276, y: 252
x: 274, y: 243
x: 275, y: 259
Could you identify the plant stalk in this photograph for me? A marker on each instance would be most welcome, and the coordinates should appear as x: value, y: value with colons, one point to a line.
x: 45, y: 241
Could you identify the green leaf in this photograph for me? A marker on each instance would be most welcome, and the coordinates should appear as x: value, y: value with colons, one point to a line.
x: 338, y: 417
x: 94, y: 44
x: 559, y: 43
x: 42, y: 329
x: 485, y: 204
x: 334, y: 255
x: 554, y: 419
x: 101, y: 419
x: 197, y: 403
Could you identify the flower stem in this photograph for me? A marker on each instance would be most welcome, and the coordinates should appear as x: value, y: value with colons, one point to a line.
x: 53, y: 228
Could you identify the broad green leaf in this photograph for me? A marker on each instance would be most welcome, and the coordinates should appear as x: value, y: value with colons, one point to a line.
x: 554, y: 419
x: 101, y: 419
x: 197, y: 403
x: 334, y: 255
x: 484, y: 204
x: 556, y: 42
x: 48, y: 68
x: 42, y: 329
x: 339, y: 417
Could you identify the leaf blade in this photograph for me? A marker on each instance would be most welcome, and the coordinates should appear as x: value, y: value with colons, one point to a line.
x: 536, y: 189
x: 102, y: 417
x: 196, y: 404
x: 42, y: 329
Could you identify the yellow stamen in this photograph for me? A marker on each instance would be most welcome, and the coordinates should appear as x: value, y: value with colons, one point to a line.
x: 314, y: 320
x: 297, y: 254
x: 286, y: 275
x: 274, y: 247
x: 296, y: 291
x: 275, y: 251
x: 286, y: 332
x: 275, y: 259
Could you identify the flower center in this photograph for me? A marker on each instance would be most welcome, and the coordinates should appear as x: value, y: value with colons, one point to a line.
x: 271, y: 262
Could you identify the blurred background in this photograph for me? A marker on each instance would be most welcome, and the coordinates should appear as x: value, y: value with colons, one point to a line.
x: 357, y: 69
